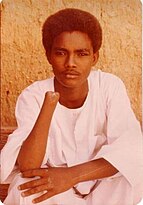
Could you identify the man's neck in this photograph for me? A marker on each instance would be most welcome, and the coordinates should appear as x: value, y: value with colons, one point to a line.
x: 72, y: 97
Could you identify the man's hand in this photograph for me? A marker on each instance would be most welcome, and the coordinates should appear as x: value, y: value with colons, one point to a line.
x: 53, y: 180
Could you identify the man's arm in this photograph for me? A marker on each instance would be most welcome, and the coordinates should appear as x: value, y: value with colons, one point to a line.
x: 33, y: 149
x: 96, y: 169
x: 57, y: 180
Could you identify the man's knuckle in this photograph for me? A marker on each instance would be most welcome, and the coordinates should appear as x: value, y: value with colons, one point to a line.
x: 46, y: 172
x: 34, y: 172
x: 36, y: 189
x: 24, y: 186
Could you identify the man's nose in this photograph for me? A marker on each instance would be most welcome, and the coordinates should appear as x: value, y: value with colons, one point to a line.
x: 70, y: 61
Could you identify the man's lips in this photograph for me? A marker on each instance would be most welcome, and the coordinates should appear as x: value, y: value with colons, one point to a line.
x: 71, y: 74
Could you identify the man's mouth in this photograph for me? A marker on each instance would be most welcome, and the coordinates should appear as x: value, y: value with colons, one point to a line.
x: 71, y: 74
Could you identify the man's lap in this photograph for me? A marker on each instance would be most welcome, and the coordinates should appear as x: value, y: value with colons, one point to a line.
x: 14, y: 195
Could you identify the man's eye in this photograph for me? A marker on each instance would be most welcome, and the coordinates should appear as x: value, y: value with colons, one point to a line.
x: 83, y: 54
x: 60, y: 53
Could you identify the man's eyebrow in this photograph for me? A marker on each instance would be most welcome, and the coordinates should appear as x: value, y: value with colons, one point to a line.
x: 77, y: 50
x: 83, y: 50
x: 60, y: 48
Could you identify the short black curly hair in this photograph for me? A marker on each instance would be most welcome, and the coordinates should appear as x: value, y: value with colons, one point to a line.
x: 70, y: 20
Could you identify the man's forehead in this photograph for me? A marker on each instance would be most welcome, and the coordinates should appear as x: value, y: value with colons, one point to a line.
x: 74, y: 37
x: 77, y: 49
x: 75, y: 41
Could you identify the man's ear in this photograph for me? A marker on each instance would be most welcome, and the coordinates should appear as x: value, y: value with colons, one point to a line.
x: 95, y: 58
x: 48, y: 57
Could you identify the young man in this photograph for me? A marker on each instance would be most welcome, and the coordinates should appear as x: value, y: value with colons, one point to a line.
x: 78, y: 141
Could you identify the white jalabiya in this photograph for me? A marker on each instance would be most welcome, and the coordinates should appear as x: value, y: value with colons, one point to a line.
x: 104, y: 127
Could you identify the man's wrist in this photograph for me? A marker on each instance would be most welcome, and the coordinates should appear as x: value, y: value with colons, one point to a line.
x: 74, y: 174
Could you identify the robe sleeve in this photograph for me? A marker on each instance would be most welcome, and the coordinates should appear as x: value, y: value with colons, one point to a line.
x: 27, y: 110
x: 124, y: 149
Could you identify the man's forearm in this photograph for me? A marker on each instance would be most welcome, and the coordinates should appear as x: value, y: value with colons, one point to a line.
x: 33, y: 149
x: 92, y: 170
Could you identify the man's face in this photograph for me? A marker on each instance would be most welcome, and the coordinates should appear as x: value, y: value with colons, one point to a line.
x: 72, y: 58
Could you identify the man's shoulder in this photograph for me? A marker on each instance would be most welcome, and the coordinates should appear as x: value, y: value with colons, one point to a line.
x: 37, y: 89
x: 40, y: 85
x: 104, y: 79
x: 106, y: 84
x: 104, y: 76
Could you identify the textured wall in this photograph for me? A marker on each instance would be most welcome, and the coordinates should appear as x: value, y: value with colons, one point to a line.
x: 23, y: 59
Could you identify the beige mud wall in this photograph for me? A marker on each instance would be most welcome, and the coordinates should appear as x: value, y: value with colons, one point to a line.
x: 23, y: 60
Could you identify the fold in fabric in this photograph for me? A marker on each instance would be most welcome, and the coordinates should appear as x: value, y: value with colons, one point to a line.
x: 105, y: 127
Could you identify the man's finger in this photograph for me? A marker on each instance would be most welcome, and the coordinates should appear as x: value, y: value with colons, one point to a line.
x: 33, y: 183
x: 35, y: 172
x: 44, y: 187
x: 43, y: 197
